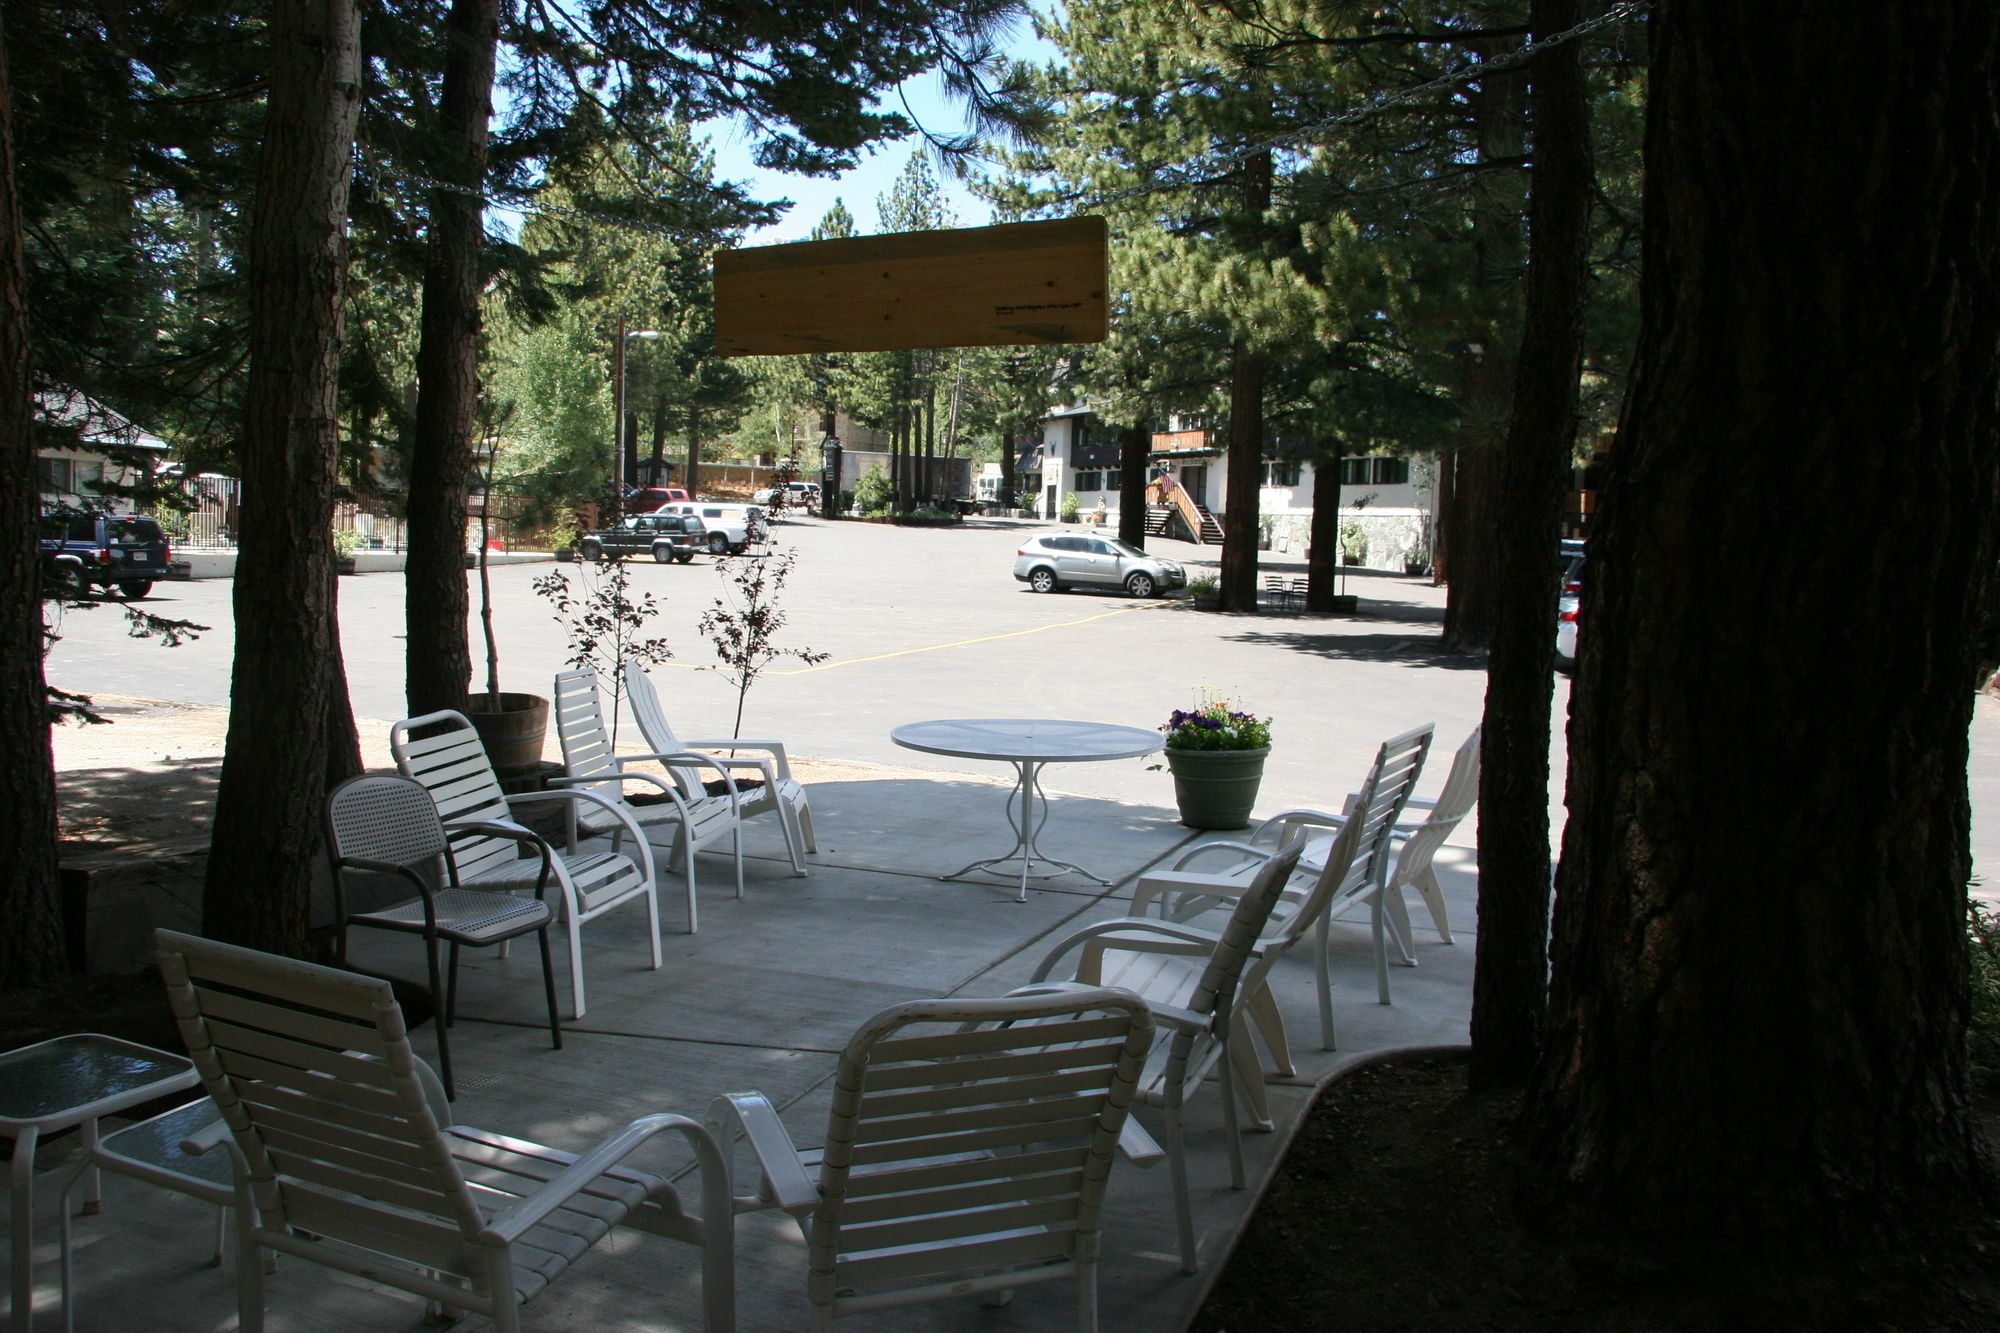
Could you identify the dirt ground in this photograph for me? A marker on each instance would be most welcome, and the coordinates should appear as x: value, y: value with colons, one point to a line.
x: 1395, y: 1209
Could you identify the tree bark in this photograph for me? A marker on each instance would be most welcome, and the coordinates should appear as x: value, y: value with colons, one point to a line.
x: 1470, y: 608
x: 1509, y: 992
x: 1237, y: 584
x: 274, y: 769
x: 438, y: 657
x: 31, y: 946
x: 1323, y: 545
x: 1132, y: 451
x: 1759, y: 982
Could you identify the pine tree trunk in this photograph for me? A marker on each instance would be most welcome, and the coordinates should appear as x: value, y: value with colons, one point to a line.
x: 1471, y: 606
x: 438, y: 658
x: 31, y: 945
x: 1509, y: 982
x: 1759, y: 979
x: 273, y: 785
x: 1237, y: 583
x: 1136, y: 443
x: 1323, y: 545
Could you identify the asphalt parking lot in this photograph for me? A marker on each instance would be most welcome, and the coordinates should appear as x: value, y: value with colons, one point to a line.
x: 917, y: 623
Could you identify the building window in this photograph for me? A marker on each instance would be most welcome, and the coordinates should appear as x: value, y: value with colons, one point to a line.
x: 1090, y: 481
x: 1281, y: 472
x: 53, y: 475
x: 1374, y: 471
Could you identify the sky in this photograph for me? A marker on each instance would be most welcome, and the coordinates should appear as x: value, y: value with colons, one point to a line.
x: 920, y: 99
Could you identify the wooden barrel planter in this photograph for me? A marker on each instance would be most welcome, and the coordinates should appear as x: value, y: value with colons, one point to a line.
x: 512, y: 728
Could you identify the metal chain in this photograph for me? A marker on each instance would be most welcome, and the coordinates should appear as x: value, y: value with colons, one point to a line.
x: 1195, y: 173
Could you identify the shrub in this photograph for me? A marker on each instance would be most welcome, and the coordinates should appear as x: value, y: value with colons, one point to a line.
x: 875, y: 493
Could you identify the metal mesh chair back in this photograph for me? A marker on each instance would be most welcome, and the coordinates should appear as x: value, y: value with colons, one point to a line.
x: 384, y: 818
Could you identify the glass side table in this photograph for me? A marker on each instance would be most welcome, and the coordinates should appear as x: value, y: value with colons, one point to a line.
x: 58, y: 1083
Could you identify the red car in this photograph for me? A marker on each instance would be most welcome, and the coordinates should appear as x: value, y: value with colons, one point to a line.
x: 648, y: 498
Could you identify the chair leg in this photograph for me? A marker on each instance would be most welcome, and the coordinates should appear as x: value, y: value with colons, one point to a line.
x: 1086, y: 1296
x: 576, y: 1006
x: 1379, y: 929
x: 1227, y: 1067
x: 1177, y: 1170
x: 451, y: 986
x: 1401, y: 932
x: 549, y: 986
x: 1249, y: 1076
x: 441, y: 1001
x: 1426, y: 883
x: 249, y: 1273
x: 1325, y: 986
x: 1270, y: 1021
x: 788, y: 820
x: 736, y: 846
x: 687, y: 866
x: 804, y: 816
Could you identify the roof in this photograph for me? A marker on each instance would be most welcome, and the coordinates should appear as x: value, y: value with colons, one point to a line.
x: 96, y: 425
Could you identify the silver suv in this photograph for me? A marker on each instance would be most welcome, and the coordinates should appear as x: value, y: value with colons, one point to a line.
x: 1050, y: 564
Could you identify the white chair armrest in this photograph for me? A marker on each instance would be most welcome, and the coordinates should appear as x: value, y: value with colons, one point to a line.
x: 1136, y: 1145
x: 775, y: 748
x: 1228, y: 887
x: 616, y: 809
x: 1132, y: 934
x: 513, y: 1223
x: 785, y: 1183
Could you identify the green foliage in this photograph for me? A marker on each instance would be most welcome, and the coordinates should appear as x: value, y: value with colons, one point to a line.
x: 1071, y: 507
x: 1213, y: 725
x: 875, y: 493
x: 1982, y: 931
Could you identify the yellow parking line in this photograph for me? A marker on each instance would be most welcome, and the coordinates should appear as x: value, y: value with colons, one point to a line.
x: 959, y: 643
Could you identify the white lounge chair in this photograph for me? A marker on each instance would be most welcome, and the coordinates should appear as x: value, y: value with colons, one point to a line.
x: 781, y: 794
x: 1421, y: 839
x: 351, y: 1161
x: 1327, y: 887
x: 693, y: 819
x: 1192, y: 981
x: 966, y: 1151
x: 441, y: 753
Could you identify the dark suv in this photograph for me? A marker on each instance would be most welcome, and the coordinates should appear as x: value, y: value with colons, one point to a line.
x: 126, y: 552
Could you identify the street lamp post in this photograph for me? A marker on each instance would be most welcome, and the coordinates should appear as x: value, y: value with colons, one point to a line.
x: 618, y: 476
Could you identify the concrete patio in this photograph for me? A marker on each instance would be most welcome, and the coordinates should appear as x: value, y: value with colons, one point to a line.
x: 763, y: 998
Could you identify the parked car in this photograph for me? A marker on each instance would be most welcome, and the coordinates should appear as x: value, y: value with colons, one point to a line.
x: 731, y: 528
x: 125, y: 552
x: 793, y: 495
x: 667, y: 536
x: 1568, y: 602
x: 1053, y: 563
x: 648, y: 499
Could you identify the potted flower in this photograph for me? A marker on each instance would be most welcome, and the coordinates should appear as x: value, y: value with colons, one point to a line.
x: 1216, y: 754
x: 346, y: 541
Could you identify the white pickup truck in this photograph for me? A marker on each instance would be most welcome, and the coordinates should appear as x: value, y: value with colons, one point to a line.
x: 732, y: 528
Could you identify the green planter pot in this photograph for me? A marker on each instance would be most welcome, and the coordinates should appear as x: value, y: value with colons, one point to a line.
x: 1216, y: 788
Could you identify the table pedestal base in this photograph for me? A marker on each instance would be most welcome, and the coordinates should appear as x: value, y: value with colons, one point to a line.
x: 1027, y: 811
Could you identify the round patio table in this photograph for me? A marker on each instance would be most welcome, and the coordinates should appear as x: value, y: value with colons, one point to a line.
x: 1027, y: 744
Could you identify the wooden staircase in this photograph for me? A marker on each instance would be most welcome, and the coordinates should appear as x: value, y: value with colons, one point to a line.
x: 1203, y: 528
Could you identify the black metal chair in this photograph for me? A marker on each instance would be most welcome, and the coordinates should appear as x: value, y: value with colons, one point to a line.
x: 381, y: 825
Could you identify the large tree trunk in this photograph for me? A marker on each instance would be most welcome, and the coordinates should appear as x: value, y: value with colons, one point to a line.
x: 1759, y: 988
x: 1510, y: 980
x: 438, y: 659
x: 1237, y: 584
x: 1132, y: 451
x: 274, y: 769
x: 1472, y: 604
x: 31, y: 945
x: 1323, y: 543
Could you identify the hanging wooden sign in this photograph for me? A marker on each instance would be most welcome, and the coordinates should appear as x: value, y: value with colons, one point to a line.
x: 1019, y: 283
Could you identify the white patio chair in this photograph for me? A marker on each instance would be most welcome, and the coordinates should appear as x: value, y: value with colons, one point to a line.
x: 1421, y: 839
x: 966, y: 1151
x: 1191, y: 980
x: 441, y: 753
x: 350, y: 1161
x: 381, y: 825
x: 694, y: 819
x: 781, y: 794
x: 1182, y: 894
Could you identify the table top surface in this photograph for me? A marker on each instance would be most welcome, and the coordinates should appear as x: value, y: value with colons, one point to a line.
x: 1037, y: 740
x: 68, y: 1079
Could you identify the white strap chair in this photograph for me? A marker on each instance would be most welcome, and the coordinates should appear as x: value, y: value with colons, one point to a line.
x: 441, y: 753
x: 966, y: 1152
x: 780, y: 794
x: 350, y: 1161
